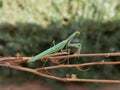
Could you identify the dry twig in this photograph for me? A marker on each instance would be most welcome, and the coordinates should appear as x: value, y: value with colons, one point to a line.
x: 14, y: 62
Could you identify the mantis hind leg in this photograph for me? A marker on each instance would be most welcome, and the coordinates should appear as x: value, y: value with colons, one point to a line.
x: 45, y: 61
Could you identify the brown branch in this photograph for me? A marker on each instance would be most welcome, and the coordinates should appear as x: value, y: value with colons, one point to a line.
x: 59, y: 78
x: 30, y: 70
x: 86, y: 55
x: 94, y: 80
x: 25, y: 59
x: 11, y: 63
x: 78, y: 65
x: 56, y: 56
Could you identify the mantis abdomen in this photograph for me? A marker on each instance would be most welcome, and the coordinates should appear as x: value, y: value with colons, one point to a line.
x: 53, y: 49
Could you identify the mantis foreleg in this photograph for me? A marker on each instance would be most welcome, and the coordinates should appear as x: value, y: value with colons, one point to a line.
x: 77, y: 45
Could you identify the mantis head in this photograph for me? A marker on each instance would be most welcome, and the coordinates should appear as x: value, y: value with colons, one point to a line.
x: 77, y: 33
x: 72, y: 36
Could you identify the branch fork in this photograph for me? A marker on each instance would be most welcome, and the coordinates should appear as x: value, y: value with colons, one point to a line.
x: 15, y: 63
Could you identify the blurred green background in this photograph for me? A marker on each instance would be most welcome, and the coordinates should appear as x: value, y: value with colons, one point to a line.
x: 30, y: 26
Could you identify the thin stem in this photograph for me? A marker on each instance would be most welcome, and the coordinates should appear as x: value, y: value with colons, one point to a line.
x: 2, y: 59
x: 13, y: 62
x: 78, y: 65
x: 59, y: 78
x: 87, y: 55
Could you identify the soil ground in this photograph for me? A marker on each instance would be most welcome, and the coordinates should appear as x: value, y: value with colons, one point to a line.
x: 39, y: 85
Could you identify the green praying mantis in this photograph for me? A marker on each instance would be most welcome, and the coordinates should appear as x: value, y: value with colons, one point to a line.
x: 58, y: 47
